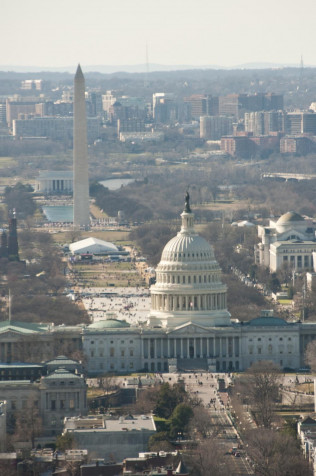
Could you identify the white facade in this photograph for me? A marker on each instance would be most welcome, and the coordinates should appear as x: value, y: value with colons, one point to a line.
x: 289, y: 241
x: 54, y: 182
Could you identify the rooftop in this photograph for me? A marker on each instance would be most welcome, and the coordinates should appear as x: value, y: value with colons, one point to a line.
x: 101, y: 423
x: 55, y: 174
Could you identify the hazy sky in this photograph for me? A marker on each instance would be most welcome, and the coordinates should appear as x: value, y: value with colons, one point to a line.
x: 183, y: 32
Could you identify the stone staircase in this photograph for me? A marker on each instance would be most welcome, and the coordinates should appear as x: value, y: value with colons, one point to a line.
x: 198, y: 364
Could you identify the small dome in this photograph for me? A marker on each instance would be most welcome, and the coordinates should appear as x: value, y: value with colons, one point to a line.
x: 289, y: 217
x: 109, y: 324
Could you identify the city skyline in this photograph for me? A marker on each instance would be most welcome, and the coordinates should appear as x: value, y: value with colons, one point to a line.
x: 227, y: 34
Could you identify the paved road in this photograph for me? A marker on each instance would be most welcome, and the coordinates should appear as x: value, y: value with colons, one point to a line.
x: 205, y: 387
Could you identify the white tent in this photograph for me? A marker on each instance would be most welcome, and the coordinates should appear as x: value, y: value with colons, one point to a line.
x: 92, y: 246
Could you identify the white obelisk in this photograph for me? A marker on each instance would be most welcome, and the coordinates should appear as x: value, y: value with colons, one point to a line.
x: 80, y: 154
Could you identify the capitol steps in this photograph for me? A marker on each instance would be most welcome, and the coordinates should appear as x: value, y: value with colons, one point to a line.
x: 192, y: 364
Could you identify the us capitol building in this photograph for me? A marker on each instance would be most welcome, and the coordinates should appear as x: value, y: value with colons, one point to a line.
x: 188, y: 327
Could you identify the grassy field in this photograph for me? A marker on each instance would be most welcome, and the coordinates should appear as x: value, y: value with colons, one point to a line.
x: 96, y: 212
x: 116, y: 236
x: 105, y: 274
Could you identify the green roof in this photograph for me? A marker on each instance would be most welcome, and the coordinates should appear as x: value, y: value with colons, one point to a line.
x: 109, y: 324
x: 61, y: 360
x: 22, y: 327
x: 62, y: 374
x: 267, y: 321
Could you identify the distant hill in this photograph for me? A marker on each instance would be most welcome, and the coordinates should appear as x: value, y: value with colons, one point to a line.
x: 137, y: 68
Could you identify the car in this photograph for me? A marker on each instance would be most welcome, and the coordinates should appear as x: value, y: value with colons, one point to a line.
x: 237, y: 454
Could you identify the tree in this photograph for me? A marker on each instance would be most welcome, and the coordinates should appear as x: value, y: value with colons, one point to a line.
x: 28, y: 423
x: 20, y: 198
x: 207, y: 459
x: 74, y: 234
x: 274, y: 283
x: 180, y: 419
x: 146, y: 400
x: 65, y: 442
x: 168, y: 398
x: 276, y: 454
x: 263, y: 389
x: 160, y: 442
x: 201, y: 424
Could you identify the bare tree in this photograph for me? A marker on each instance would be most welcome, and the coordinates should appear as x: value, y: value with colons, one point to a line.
x: 208, y: 459
x: 28, y: 423
x: 73, y: 235
x: 201, y: 424
x: 263, y: 389
x: 107, y: 383
x: 276, y: 454
x: 146, y: 400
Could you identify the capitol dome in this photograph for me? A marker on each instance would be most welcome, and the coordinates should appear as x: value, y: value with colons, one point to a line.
x: 188, y: 281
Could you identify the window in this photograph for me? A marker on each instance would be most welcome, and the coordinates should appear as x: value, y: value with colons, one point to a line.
x: 111, y: 352
x: 92, y: 353
x: 131, y: 353
x: 122, y: 353
x: 130, y: 341
x: 122, y: 342
x: 112, y: 366
x: 101, y: 353
x: 122, y: 365
x: 13, y: 405
x: 111, y: 342
x: 131, y: 365
x: 53, y: 405
x: 62, y: 404
x: 71, y: 404
x: 92, y: 342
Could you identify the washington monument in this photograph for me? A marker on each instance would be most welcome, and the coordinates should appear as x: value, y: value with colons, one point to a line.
x: 80, y: 154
